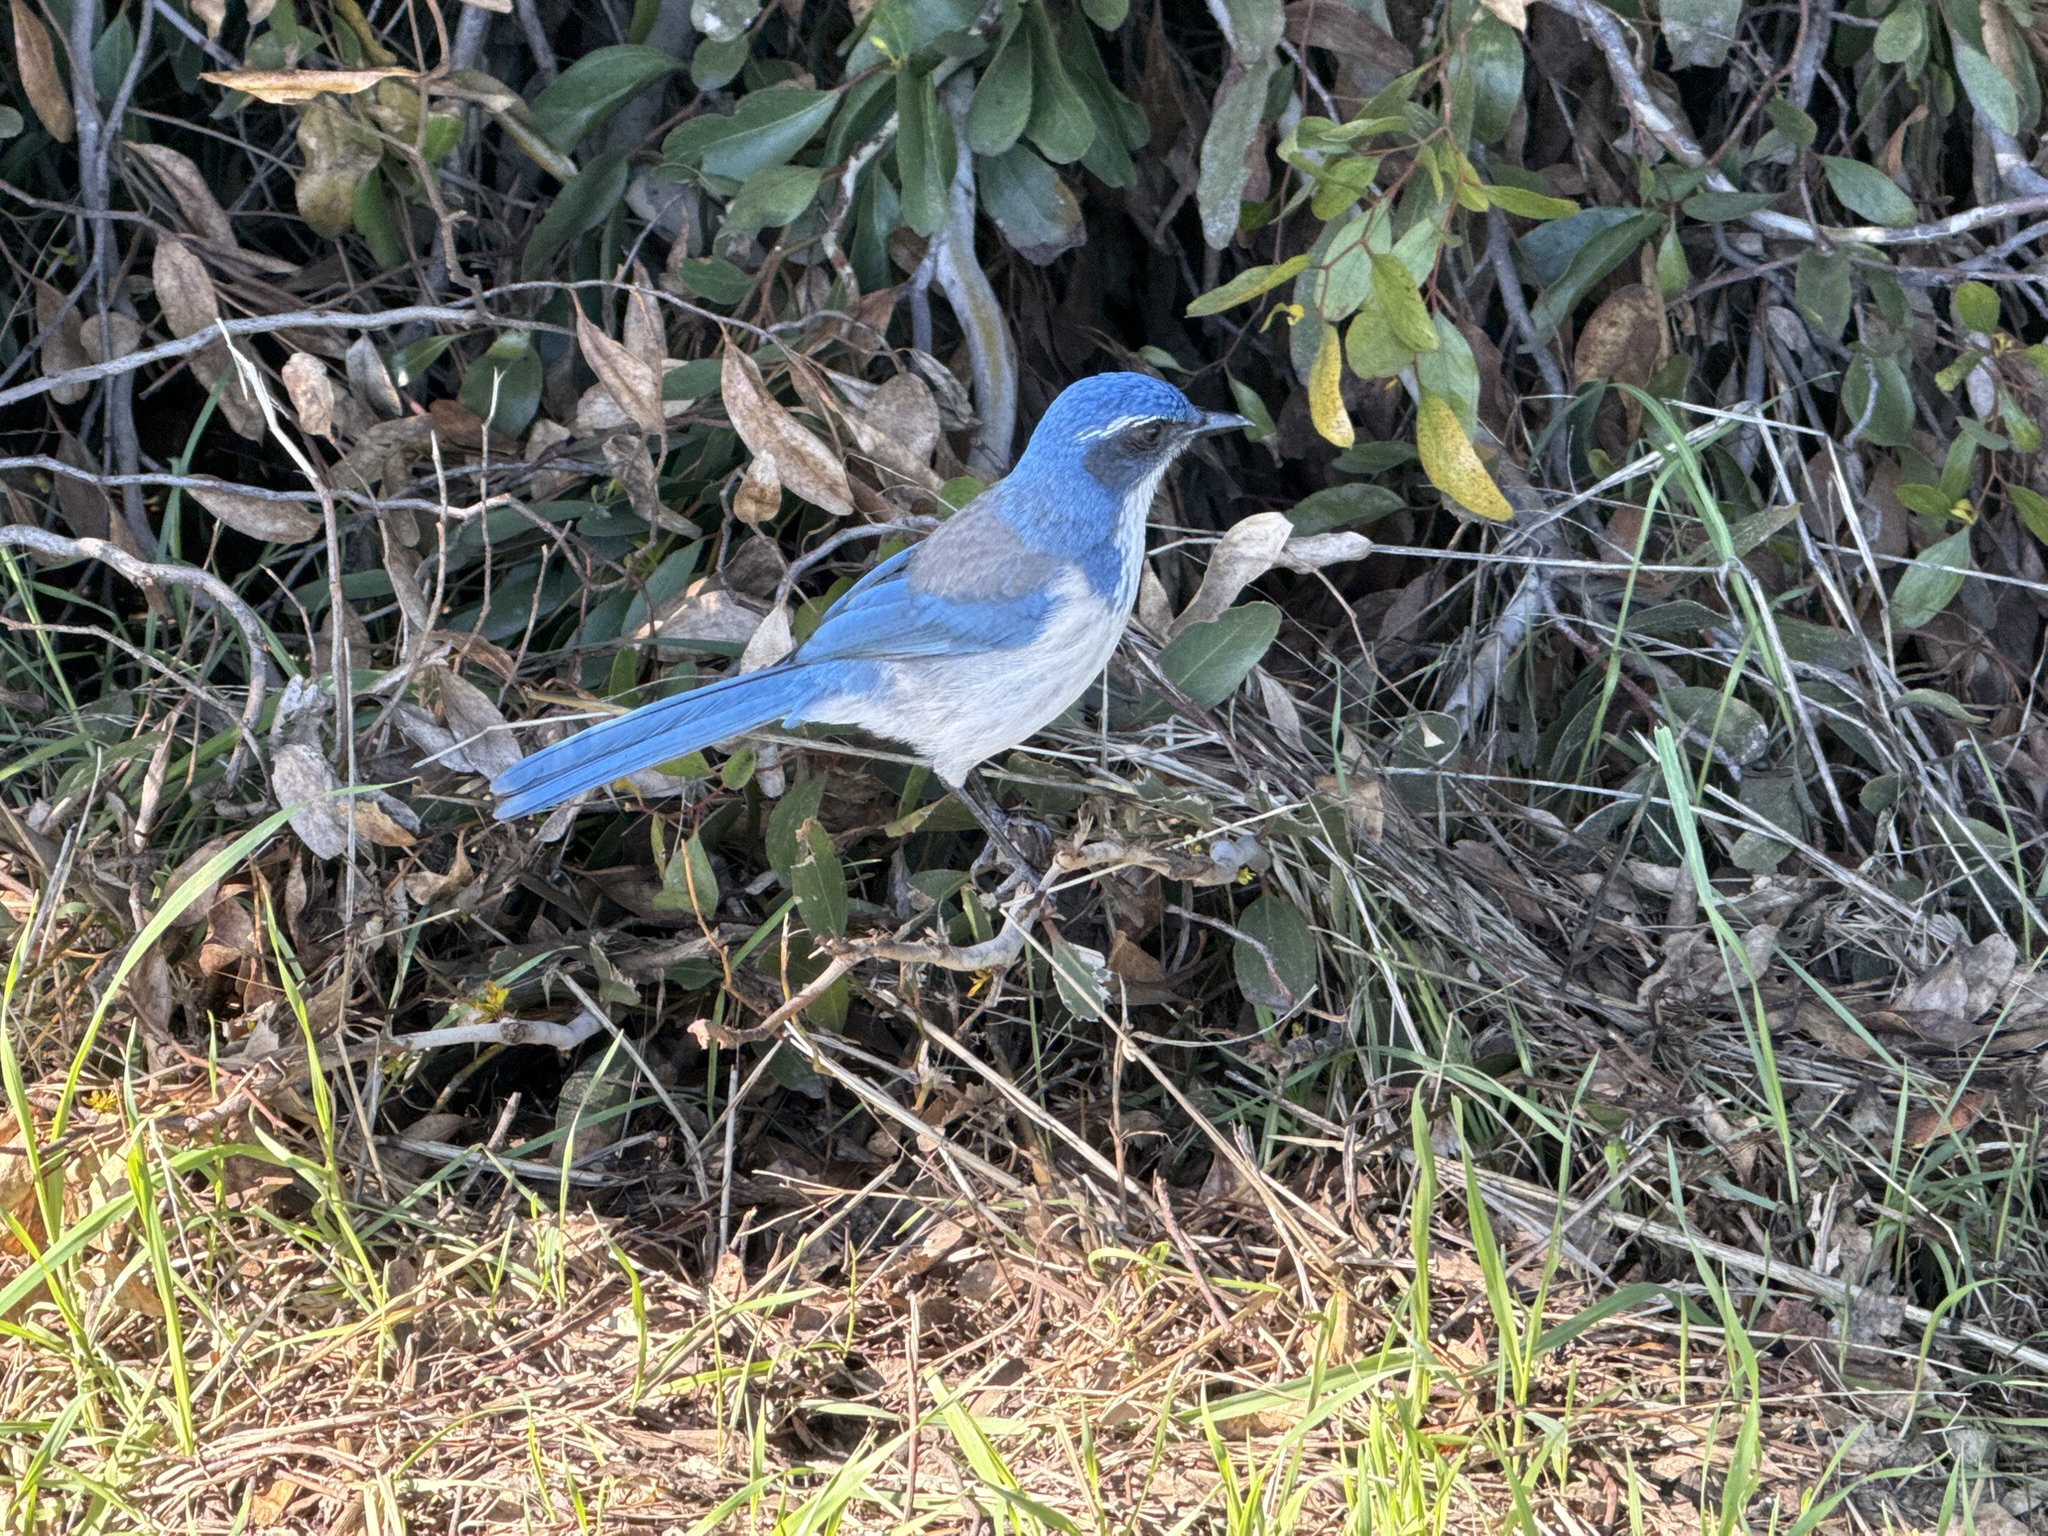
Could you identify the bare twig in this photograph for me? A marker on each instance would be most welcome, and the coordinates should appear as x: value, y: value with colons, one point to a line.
x: 151, y: 575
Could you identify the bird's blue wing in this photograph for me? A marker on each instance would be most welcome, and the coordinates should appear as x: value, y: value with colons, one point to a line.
x: 972, y: 586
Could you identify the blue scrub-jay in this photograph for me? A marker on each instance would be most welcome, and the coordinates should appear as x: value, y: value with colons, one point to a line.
x: 961, y: 646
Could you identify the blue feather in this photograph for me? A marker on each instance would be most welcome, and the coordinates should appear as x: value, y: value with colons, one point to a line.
x: 657, y: 733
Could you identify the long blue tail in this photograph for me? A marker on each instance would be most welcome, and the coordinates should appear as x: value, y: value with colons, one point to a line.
x: 654, y: 733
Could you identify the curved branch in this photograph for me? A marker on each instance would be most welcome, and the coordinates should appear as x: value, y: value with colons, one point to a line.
x: 1605, y: 30
x: 150, y: 575
x: 991, y: 350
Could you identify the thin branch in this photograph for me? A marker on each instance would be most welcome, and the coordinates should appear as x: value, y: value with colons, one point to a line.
x: 151, y: 575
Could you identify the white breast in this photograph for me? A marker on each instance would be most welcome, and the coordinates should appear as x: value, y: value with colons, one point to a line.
x: 958, y: 711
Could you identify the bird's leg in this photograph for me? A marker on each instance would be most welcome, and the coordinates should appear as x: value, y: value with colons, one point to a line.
x: 973, y: 793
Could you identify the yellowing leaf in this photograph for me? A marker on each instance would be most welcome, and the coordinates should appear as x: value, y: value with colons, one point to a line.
x: 296, y: 87
x: 1248, y: 284
x: 1453, y: 464
x: 1326, y: 395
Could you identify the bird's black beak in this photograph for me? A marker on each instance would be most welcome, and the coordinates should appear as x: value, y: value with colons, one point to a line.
x: 1220, y: 421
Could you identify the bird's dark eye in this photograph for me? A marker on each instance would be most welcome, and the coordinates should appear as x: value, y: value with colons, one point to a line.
x: 1149, y: 435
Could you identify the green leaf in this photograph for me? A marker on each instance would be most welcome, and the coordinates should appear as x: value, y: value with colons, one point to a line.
x: 503, y: 386
x: 1990, y: 92
x: 767, y: 128
x: 795, y: 808
x: 715, y: 64
x: 819, y: 881
x: 1875, y: 394
x: 1275, y: 959
x: 925, y: 152
x: 1251, y: 407
x: 1724, y: 207
x: 584, y: 202
x: 1450, y: 370
x: 687, y: 881
x: 1106, y: 14
x: 1248, y: 284
x: 1902, y: 34
x: 774, y: 197
x: 1867, y: 191
x: 1037, y: 212
x: 1219, y: 189
x: 1795, y: 125
x: 371, y: 209
x: 1370, y: 345
x: 1700, y: 32
x: 1400, y: 300
x: 1342, y: 505
x: 1524, y: 204
x: 1121, y: 127
x: 1734, y: 727
x: 1060, y: 123
x: 1674, y: 272
x: 1082, y: 981
x: 1976, y: 307
x: 1002, y: 99
x: 1927, y: 500
x: 409, y: 364
x: 1492, y: 61
x: 2032, y: 507
x: 594, y: 87
x: 1931, y: 584
x: 1595, y: 259
x: 1822, y: 289
x: 716, y: 280
x: 1208, y: 661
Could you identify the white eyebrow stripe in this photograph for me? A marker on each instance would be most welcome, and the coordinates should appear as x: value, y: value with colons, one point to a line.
x: 1117, y: 426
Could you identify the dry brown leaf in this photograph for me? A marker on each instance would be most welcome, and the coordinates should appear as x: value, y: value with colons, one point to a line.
x: 40, y: 82
x: 597, y: 413
x: 456, y: 423
x: 376, y: 824
x: 632, y: 383
x: 1623, y: 339
x: 63, y: 343
x: 904, y: 408
x: 770, y: 642
x: 759, y: 496
x: 707, y: 611
x: 196, y: 203
x: 184, y: 288
x: 1317, y: 550
x: 1514, y: 12
x: 279, y: 522
x: 1155, y: 613
x: 84, y: 503
x: 300, y: 776
x: 296, y: 87
x: 642, y: 330
x: 805, y: 464
x: 311, y: 389
x: 1280, y: 709
x: 212, y: 13
x: 210, y: 364
x: 370, y: 381
x: 483, y: 741
x: 106, y: 337
x: 1245, y: 554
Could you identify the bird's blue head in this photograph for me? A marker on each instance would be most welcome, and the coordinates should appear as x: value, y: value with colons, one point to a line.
x: 1120, y: 429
